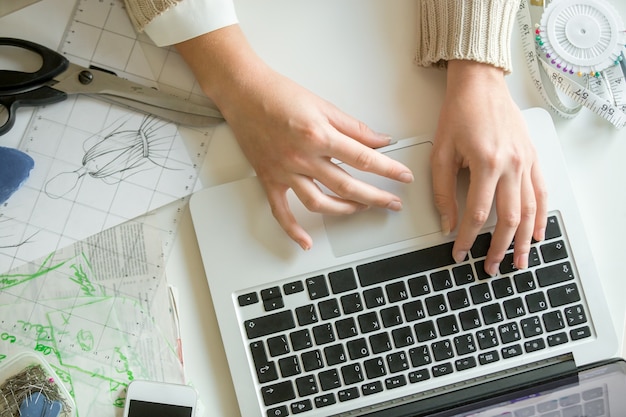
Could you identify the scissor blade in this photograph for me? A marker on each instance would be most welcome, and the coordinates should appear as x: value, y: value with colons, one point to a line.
x: 109, y: 87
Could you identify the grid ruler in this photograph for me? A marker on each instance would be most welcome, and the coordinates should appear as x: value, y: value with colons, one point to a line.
x: 91, y: 22
x: 575, y: 49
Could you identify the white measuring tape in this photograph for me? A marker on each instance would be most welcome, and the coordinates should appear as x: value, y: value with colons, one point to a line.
x: 576, y: 48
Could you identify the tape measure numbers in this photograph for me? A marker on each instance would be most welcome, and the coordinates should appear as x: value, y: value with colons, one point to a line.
x: 575, y: 48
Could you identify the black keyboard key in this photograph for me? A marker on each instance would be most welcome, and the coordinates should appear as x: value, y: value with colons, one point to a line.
x: 306, y: 315
x: 293, y: 287
x: 317, y: 287
x: 300, y: 339
x: 575, y: 315
x: 248, y: 299
x: 441, y: 280
x: 580, y: 333
x: 514, y: 308
x: 536, y: 302
x: 418, y: 376
x: 565, y: 294
x: 534, y: 345
x: 413, y: 310
x: 329, y: 309
x: 323, y: 334
x: 442, y: 369
x: 511, y: 351
x: 266, y: 325
x: 278, y: 345
x: 463, y: 274
x: 312, y: 360
x: 507, y: 266
x: 533, y: 257
x: 425, y: 331
x: 552, y: 228
x: 524, y: 281
x: 352, y: 374
x: 397, y: 362
x: 436, y: 304
x: 554, y: 274
x: 465, y: 363
x: 488, y: 357
x: 553, y: 251
x: 480, y: 270
x: 391, y: 316
x: 368, y: 322
x: 396, y: 291
x: 357, y: 348
x: 375, y: 368
x: 420, y: 356
x: 324, y: 400
x: 469, y: 319
x: 301, y: 406
x: 335, y: 355
x: 346, y: 328
x: 289, y: 366
x: 480, y: 293
x: 265, y: 369
x: 464, y: 344
x: 342, y: 281
x: 481, y: 245
x: 306, y: 385
x: 351, y: 303
x: 553, y: 321
x: 406, y: 264
x: 278, y: 393
x: 442, y: 350
x: 380, y: 343
x: 348, y: 394
x: 269, y: 293
x: 447, y: 325
x: 492, y: 313
x: 557, y: 339
x: 395, y: 381
x: 372, y: 388
x: 278, y: 411
x: 531, y: 326
x: 374, y: 297
x: 487, y: 338
x: 509, y: 332
x: 402, y: 337
x: 419, y: 286
x: 329, y: 379
x: 458, y: 299
x: 272, y: 299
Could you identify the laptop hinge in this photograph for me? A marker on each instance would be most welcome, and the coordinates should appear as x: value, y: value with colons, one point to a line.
x: 491, y: 389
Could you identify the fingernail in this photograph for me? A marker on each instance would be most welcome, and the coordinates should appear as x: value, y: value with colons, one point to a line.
x: 521, y: 261
x: 395, y: 205
x: 459, y: 256
x: 383, y: 136
x: 305, y: 245
x: 445, y: 225
x: 406, y: 177
x: 492, y: 268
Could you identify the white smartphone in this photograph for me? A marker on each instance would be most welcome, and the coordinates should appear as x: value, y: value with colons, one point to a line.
x: 151, y: 399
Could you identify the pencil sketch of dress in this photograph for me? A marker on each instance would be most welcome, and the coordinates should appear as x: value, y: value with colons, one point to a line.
x: 125, y: 151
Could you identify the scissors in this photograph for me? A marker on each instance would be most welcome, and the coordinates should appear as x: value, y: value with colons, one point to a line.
x: 57, y: 78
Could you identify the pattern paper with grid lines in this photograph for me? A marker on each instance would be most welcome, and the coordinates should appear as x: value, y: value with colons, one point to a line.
x: 98, y: 165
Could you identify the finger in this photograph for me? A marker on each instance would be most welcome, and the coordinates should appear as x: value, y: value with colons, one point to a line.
x: 357, y: 130
x: 508, y: 201
x: 478, y: 205
x: 315, y: 200
x: 541, y: 196
x: 347, y: 187
x: 524, y: 232
x: 366, y: 159
x: 281, y: 211
x: 444, y: 172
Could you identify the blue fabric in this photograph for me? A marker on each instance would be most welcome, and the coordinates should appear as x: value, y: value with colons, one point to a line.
x: 15, y: 167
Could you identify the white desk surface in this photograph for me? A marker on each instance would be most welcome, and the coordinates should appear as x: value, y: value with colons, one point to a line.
x: 358, y: 55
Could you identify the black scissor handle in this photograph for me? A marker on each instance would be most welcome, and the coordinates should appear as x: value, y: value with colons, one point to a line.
x: 15, y: 81
x: 38, y: 97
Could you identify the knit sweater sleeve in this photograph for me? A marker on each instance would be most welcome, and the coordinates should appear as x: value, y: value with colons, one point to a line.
x: 142, y: 12
x: 477, y: 30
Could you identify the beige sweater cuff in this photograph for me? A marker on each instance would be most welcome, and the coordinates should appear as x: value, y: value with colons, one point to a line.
x: 477, y: 30
x: 142, y: 12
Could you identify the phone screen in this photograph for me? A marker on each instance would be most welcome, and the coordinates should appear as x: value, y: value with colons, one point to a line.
x: 149, y: 409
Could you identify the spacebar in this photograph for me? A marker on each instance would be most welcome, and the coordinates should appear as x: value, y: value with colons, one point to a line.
x: 405, y: 264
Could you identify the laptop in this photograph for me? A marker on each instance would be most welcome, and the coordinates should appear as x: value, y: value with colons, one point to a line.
x: 378, y: 320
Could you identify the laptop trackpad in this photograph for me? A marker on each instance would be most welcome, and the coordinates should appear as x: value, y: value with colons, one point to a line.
x: 378, y: 227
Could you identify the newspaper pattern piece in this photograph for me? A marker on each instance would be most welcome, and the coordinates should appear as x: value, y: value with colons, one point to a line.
x: 98, y: 165
x: 99, y: 312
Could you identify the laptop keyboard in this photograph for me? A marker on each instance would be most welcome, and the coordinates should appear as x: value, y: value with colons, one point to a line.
x: 368, y: 328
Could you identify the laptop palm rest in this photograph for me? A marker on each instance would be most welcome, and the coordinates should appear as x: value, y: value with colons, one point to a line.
x: 377, y: 227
